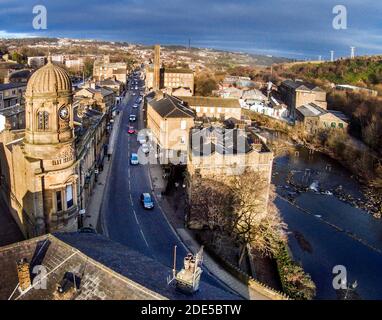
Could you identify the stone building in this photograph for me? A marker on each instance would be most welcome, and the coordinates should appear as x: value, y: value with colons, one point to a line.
x: 313, y: 118
x: 12, y: 94
x: 102, y: 97
x: 104, y: 69
x: 39, y: 178
x: 217, y: 151
x: 213, y: 107
x: 170, y: 122
x: 172, y: 80
x: 298, y: 93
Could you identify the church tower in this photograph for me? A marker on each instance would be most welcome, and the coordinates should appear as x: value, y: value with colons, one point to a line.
x: 49, y: 144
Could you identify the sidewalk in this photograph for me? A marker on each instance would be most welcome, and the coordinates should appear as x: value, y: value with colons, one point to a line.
x: 213, y: 267
x: 91, y: 218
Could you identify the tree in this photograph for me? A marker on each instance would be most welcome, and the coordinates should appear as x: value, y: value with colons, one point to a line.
x: 88, y: 67
x: 205, y: 83
x: 255, y: 222
x: 211, y: 204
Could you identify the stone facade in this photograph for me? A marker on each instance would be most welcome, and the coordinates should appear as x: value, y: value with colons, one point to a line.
x: 170, y: 123
x: 298, y: 93
x: 313, y: 118
x: 212, y: 107
x: 39, y: 165
x: 104, y: 69
x: 169, y: 79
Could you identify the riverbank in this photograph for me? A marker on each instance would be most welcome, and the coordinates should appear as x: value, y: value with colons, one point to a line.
x: 281, y: 139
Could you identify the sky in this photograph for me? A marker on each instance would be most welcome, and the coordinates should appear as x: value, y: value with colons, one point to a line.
x: 301, y: 29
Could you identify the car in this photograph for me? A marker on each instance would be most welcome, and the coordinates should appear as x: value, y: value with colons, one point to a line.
x: 147, y: 200
x: 134, y: 159
x: 132, y: 117
x: 145, y: 148
x: 131, y: 130
x: 135, y: 106
x: 141, y: 138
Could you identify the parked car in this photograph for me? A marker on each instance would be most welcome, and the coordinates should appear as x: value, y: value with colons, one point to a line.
x: 147, y: 201
x: 134, y: 159
x: 141, y: 138
x: 135, y: 106
x: 131, y: 130
x: 145, y: 148
x: 132, y: 117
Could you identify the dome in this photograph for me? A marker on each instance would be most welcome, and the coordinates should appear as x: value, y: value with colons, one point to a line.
x: 49, y: 79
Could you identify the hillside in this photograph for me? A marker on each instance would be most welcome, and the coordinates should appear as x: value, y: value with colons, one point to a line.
x: 362, y: 71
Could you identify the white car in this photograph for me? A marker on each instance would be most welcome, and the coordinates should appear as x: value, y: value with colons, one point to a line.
x: 141, y: 139
x: 145, y: 148
x: 134, y: 159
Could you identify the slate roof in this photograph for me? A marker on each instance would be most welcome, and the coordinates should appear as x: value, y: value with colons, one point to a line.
x: 7, y: 86
x: 299, y: 85
x: 222, y: 141
x: 171, y: 107
x: 211, y: 102
x: 311, y: 110
x: 107, y: 270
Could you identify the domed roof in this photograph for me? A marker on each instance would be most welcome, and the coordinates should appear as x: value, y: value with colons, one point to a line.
x: 49, y: 79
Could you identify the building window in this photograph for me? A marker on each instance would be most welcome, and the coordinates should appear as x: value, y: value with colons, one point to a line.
x: 59, y: 201
x: 69, y: 196
x: 182, y: 140
x: 333, y: 124
x: 341, y: 125
x: 183, y: 124
x: 43, y: 120
x: 197, y: 109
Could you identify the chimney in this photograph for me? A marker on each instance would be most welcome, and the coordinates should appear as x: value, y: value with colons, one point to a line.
x: 23, y: 273
x: 156, y: 75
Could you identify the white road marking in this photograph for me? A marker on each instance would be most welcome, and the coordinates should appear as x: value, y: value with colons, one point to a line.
x: 144, y: 238
x: 136, y: 217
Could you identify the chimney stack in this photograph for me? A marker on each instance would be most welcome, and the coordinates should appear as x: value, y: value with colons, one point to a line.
x: 23, y: 273
x: 156, y: 75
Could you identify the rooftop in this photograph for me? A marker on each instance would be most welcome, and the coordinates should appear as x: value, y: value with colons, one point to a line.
x: 171, y: 107
x: 211, y: 102
x: 105, y: 269
x: 206, y: 141
x: 301, y: 85
x: 7, y: 86
x: 311, y: 110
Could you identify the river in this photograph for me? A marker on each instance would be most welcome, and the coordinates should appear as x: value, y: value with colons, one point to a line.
x: 324, y: 231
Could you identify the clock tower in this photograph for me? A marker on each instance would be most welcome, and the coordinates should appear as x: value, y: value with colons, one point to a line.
x: 49, y: 117
x: 50, y: 141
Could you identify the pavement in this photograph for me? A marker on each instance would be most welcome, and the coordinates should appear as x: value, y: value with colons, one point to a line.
x: 93, y: 210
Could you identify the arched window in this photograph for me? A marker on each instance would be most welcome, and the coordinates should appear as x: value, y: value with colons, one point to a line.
x: 43, y: 120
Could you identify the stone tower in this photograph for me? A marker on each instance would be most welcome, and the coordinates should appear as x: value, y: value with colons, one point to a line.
x: 156, y: 77
x: 49, y: 146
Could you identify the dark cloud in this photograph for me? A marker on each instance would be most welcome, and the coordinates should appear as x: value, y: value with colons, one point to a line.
x: 298, y: 28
